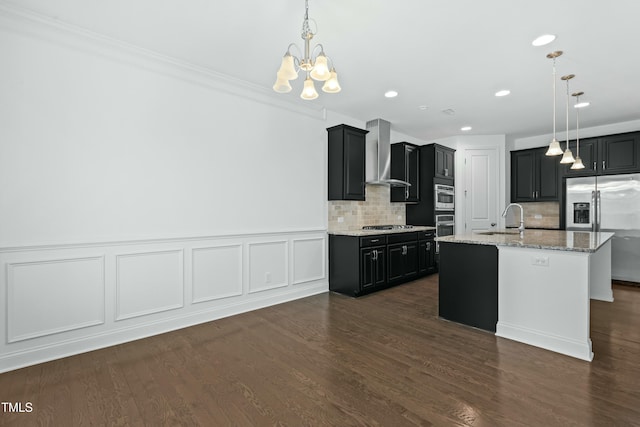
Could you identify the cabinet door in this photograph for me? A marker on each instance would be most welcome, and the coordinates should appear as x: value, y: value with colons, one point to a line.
x: 426, y: 257
x: 380, y: 268
x: 548, y: 176
x: 410, y: 260
x: 523, y: 176
x: 444, y: 159
x: 396, y: 262
x: 373, y: 267
x: 367, y: 262
x: 589, y: 156
x: 619, y: 154
x: 354, y: 172
x: 413, y: 173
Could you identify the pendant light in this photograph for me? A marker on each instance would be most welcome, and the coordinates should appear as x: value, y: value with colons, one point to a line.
x: 567, y: 157
x: 578, y: 163
x: 554, y: 146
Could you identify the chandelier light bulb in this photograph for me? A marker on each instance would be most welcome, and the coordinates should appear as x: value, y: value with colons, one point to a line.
x: 287, y: 68
x: 332, y: 85
x: 320, y: 70
x: 309, y: 90
x: 282, y: 85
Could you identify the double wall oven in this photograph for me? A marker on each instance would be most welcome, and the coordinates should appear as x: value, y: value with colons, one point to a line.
x: 444, y: 205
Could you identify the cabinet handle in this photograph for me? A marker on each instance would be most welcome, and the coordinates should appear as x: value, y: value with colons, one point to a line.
x: 406, y: 193
x: 428, y: 247
x: 404, y: 249
x: 375, y: 240
x: 603, y: 165
x: 594, y: 165
x: 375, y: 255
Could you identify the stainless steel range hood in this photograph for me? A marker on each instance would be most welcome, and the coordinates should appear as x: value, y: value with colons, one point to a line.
x: 378, y: 155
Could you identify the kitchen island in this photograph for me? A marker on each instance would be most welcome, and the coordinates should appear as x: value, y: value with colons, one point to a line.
x: 533, y: 288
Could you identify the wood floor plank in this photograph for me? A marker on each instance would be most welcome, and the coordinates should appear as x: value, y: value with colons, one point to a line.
x: 382, y: 359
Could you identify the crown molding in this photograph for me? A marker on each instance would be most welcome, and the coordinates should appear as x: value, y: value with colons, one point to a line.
x: 29, y: 23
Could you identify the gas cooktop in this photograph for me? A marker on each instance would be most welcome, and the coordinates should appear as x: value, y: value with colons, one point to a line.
x: 386, y: 227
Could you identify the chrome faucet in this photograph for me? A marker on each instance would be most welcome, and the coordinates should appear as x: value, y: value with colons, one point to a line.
x: 504, y: 214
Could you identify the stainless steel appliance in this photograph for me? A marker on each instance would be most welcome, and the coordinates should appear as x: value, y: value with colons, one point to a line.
x: 609, y: 203
x: 445, y: 226
x: 444, y: 196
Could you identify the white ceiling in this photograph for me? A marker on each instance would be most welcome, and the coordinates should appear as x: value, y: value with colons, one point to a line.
x: 445, y: 54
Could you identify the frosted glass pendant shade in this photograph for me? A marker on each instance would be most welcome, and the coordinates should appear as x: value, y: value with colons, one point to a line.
x: 577, y: 164
x: 332, y: 85
x: 287, y: 68
x: 309, y: 90
x: 281, y: 85
x: 554, y: 148
x: 567, y: 157
x: 320, y: 70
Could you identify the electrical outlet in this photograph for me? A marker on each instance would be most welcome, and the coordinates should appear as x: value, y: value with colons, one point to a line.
x: 537, y: 216
x: 540, y: 261
x: 340, y: 219
x: 267, y: 277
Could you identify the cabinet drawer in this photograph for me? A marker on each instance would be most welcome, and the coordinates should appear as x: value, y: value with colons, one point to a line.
x: 402, y: 237
x: 427, y: 235
x: 373, y: 241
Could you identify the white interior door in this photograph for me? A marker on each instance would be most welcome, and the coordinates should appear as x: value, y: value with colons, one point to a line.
x: 481, y: 189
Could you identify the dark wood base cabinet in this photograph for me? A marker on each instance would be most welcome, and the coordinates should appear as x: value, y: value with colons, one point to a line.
x: 360, y: 265
x: 468, y: 284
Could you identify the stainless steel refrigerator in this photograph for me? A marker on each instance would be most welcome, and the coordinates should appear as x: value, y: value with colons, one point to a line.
x: 609, y: 203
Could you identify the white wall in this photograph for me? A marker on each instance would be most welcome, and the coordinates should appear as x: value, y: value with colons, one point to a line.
x: 141, y: 195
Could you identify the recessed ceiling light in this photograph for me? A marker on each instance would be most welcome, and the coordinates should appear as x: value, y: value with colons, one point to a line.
x: 465, y: 128
x: 543, y: 40
x: 423, y: 107
x: 582, y: 104
x: 391, y: 94
x: 503, y: 92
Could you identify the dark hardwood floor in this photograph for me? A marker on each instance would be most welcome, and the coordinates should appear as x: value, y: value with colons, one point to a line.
x: 384, y: 359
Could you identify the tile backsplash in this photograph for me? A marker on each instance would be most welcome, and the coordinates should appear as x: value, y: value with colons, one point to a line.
x: 375, y: 210
x: 536, y: 215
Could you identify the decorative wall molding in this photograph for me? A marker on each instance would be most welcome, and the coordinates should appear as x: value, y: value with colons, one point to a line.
x: 51, y: 296
x: 27, y: 22
x: 149, y: 282
x: 215, y: 267
x: 123, y: 278
x: 263, y: 257
x: 302, y: 250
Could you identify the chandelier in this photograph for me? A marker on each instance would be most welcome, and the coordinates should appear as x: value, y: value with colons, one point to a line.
x: 316, y: 67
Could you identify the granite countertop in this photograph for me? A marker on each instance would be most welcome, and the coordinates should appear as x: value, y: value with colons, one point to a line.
x: 360, y: 232
x: 579, y: 241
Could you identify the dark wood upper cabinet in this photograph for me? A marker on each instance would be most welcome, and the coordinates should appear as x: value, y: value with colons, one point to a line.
x: 405, y: 166
x: 346, y: 172
x: 607, y: 155
x: 445, y: 159
x: 534, y: 176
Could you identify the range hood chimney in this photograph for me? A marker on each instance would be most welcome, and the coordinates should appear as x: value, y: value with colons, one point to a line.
x: 378, y: 154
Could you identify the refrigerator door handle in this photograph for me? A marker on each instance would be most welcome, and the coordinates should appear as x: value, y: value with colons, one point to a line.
x: 592, y: 211
x: 598, y: 210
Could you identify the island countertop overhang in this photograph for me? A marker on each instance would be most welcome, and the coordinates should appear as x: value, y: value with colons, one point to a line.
x: 576, y: 241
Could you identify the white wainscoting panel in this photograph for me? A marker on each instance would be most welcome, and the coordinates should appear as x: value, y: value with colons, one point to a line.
x: 149, y: 282
x: 217, y: 272
x: 268, y: 265
x: 52, y: 296
x: 68, y: 299
x: 308, y: 260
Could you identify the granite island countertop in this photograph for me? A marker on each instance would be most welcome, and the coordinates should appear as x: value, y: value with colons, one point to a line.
x: 360, y: 232
x: 578, y: 241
